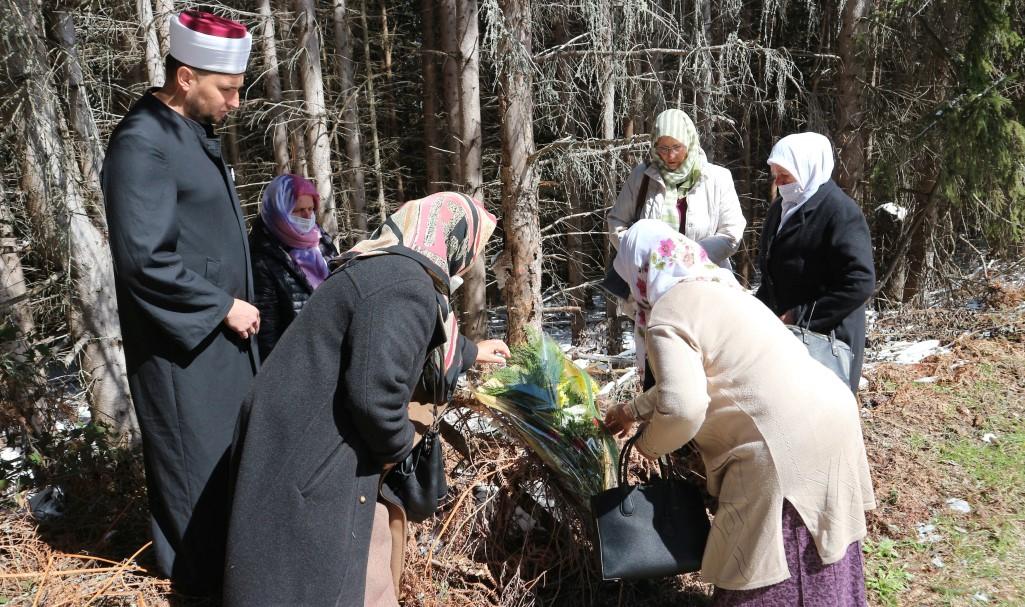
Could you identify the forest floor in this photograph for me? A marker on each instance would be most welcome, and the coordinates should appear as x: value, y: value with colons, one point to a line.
x: 946, y: 443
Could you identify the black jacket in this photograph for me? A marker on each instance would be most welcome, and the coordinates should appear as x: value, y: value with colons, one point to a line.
x: 282, y: 288
x: 822, y: 256
x: 324, y: 415
x: 181, y: 258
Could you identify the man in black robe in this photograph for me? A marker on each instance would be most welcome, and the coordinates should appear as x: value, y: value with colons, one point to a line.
x: 183, y: 277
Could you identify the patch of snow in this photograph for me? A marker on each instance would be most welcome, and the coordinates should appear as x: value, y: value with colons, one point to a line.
x: 927, y: 533
x: 989, y: 437
x: 980, y: 597
x: 909, y: 353
x: 895, y: 210
x: 622, y: 379
x: 932, y: 379
x: 9, y: 454
x: 958, y: 505
x: 937, y: 562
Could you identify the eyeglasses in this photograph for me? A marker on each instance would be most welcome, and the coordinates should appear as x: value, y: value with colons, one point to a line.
x: 665, y: 149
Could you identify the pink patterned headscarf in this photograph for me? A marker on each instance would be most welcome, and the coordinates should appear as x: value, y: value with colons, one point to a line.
x: 444, y: 232
x: 278, y: 202
x: 653, y: 258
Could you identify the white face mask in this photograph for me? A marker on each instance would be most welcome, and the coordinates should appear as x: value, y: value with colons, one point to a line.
x: 791, y: 192
x: 302, y: 224
x: 454, y: 282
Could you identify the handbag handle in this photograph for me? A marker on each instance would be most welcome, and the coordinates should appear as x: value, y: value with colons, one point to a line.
x: 807, y: 327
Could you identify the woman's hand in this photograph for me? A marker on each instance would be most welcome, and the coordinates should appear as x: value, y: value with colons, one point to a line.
x: 619, y: 420
x: 492, y: 351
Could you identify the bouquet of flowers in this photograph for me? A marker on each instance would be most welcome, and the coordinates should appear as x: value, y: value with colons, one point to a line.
x: 548, y: 403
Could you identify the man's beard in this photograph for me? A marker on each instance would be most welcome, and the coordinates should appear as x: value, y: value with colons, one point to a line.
x: 196, y: 112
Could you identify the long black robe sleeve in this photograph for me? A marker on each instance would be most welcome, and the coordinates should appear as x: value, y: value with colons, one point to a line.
x: 142, y: 211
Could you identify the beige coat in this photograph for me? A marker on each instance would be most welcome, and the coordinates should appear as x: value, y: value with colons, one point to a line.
x: 770, y: 422
x: 714, y: 218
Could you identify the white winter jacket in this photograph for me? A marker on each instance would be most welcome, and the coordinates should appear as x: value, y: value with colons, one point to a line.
x: 714, y: 218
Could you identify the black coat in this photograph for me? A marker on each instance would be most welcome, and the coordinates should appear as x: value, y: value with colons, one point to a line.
x: 822, y: 256
x: 326, y: 412
x: 282, y: 288
x: 181, y: 257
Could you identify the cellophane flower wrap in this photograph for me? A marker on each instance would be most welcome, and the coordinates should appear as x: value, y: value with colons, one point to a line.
x: 541, y: 398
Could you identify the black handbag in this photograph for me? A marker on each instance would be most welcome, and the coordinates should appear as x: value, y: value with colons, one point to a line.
x: 652, y: 530
x: 419, y: 481
x: 613, y: 284
x: 827, y: 349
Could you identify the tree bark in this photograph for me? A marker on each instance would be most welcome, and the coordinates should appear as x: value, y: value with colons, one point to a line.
x: 473, y: 298
x: 519, y: 179
x: 392, y: 119
x: 429, y: 67
x: 80, y: 113
x: 850, y: 136
x: 355, y: 175
x: 16, y: 312
x: 382, y: 205
x: 51, y: 181
x: 154, y: 63
x: 165, y: 9
x: 272, y: 88
x: 608, y: 130
x: 318, y: 143
x: 447, y: 12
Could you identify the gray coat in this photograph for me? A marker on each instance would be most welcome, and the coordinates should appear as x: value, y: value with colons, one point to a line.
x: 181, y: 257
x: 326, y: 412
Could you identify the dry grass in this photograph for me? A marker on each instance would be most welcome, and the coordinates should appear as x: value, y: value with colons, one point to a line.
x: 494, y: 545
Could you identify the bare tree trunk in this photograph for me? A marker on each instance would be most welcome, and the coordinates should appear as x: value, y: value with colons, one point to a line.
x: 165, y: 9
x: 16, y: 312
x: 382, y: 206
x: 608, y: 130
x: 51, y: 181
x: 447, y: 13
x: 154, y: 64
x: 272, y: 88
x: 429, y: 65
x: 355, y: 175
x: 296, y: 138
x: 576, y: 296
x: 318, y: 143
x: 919, y: 255
x: 519, y: 179
x: 393, y: 123
x: 80, y: 113
x: 850, y: 84
x: 473, y: 298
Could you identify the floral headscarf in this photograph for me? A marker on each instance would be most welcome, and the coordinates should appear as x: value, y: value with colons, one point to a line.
x: 654, y: 258
x: 278, y: 202
x: 678, y: 125
x: 444, y: 233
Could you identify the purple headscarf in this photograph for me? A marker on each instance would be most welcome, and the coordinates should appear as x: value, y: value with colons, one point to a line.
x: 304, y: 249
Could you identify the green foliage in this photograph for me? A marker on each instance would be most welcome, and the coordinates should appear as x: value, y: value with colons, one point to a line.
x: 548, y: 404
x: 886, y: 573
x: 980, y: 131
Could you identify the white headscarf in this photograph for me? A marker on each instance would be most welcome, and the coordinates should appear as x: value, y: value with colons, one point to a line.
x: 806, y: 156
x: 654, y: 258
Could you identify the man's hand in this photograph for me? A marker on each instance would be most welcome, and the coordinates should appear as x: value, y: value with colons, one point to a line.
x: 243, y: 318
x: 619, y: 420
x: 788, y: 317
x: 492, y: 351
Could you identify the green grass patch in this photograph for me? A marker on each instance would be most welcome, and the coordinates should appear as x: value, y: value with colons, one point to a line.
x: 886, y: 574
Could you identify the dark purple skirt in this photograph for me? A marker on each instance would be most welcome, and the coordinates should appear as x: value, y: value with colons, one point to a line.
x: 811, y: 584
